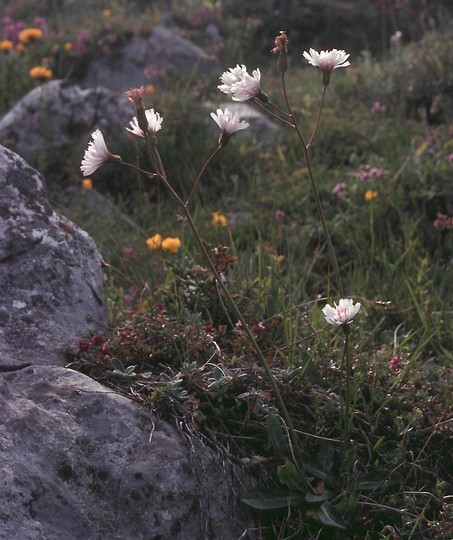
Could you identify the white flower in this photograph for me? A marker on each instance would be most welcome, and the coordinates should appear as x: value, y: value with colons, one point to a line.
x: 95, y: 155
x: 228, y: 121
x: 154, y: 123
x: 240, y: 84
x: 327, y: 61
x: 341, y: 314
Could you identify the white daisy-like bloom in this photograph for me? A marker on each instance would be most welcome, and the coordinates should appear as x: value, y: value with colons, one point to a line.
x: 240, y: 84
x: 341, y: 314
x: 154, y: 123
x: 327, y: 61
x: 228, y: 121
x: 95, y: 155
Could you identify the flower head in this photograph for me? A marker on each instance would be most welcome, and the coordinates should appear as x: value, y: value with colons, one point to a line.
x: 219, y: 219
x: 228, y: 122
x: 370, y: 194
x: 171, y: 244
x: 154, y: 242
x: 241, y: 85
x: 40, y: 73
x: 281, y: 48
x: 327, y: 61
x: 30, y: 34
x: 154, y: 120
x: 6, y: 45
x: 341, y: 314
x: 87, y: 184
x: 96, y: 154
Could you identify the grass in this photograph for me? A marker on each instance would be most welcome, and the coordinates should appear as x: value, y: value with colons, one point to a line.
x: 175, y: 345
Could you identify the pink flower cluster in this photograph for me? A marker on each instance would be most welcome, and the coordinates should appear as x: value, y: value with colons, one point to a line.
x: 443, y: 221
x: 367, y: 172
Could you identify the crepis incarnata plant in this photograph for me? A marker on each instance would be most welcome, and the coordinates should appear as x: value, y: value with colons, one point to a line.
x: 242, y: 86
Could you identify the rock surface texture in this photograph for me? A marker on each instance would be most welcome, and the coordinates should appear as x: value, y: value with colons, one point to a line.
x: 77, y: 460
x: 58, y: 114
x: 81, y: 462
x: 143, y: 59
x: 51, y: 280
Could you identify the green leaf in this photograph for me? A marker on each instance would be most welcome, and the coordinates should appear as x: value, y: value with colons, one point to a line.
x: 328, y: 516
x: 324, y: 496
x: 270, y: 499
x: 117, y: 364
x: 290, y: 476
x: 377, y: 480
x: 275, y: 433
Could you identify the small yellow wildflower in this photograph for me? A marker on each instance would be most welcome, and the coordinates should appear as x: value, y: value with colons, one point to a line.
x: 149, y: 89
x: 370, y: 195
x: 154, y: 242
x: 55, y: 47
x: 87, y: 184
x: 40, y: 73
x: 106, y: 12
x: 68, y: 46
x: 30, y: 34
x: 6, y: 45
x: 171, y: 244
x: 219, y: 219
x: 20, y: 48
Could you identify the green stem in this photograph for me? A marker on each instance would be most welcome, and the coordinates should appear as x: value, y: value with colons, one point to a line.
x: 201, y: 174
x: 315, y: 193
x: 318, y: 117
x: 347, y: 373
x: 238, y: 314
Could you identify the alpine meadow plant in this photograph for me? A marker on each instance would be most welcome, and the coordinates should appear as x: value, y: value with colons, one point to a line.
x: 330, y: 485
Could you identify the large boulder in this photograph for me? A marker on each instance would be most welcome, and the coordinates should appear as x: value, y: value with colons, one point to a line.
x: 143, y: 59
x: 51, y: 281
x: 58, y: 114
x: 78, y: 461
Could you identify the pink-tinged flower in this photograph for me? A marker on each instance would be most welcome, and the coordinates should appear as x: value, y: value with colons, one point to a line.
x: 279, y: 215
x: 341, y: 314
x: 327, y: 61
x: 96, y: 154
x: 396, y: 362
x: 339, y: 189
x: 241, y: 85
x: 228, y: 122
x: 154, y: 123
x: 378, y: 108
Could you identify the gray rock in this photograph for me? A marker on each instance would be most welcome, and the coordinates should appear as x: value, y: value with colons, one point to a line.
x: 57, y: 114
x: 163, y: 52
x: 51, y: 282
x: 78, y: 461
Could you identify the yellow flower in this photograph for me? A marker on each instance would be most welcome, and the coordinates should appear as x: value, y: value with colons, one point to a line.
x: 106, y: 13
x: 30, y: 34
x: 219, y: 219
x: 55, y: 47
x: 6, y: 45
x: 149, y: 89
x: 370, y: 195
x: 154, y: 242
x: 68, y: 46
x: 171, y: 244
x: 20, y: 48
x: 87, y: 184
x: 40, y: 73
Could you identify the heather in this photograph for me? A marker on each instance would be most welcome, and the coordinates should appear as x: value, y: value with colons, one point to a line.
x: 224, y: 282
